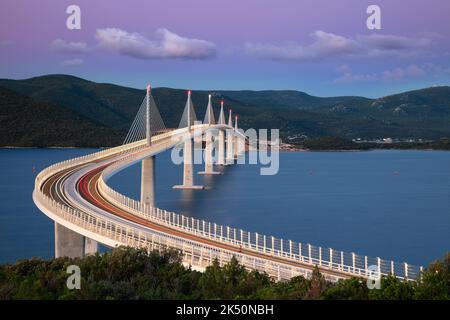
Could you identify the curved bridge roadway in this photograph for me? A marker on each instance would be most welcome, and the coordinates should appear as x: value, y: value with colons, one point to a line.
x: 73, y: 194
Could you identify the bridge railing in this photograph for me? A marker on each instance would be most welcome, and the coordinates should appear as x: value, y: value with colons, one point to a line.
x: 54, y: 168
x: 285, y: 250
x: 193, y: 253
x: 288, y: 250
x: 99, y: 155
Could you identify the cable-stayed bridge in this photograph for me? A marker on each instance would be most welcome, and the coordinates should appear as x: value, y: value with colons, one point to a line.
x: 87, y: 211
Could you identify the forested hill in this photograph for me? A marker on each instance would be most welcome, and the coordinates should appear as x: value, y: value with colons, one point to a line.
x: 28, y: 122
x: 95, y: 114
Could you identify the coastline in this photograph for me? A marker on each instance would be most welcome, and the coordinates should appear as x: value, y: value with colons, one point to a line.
x: 52, y: 147
x: 358, y: 150
x: 291, y: 148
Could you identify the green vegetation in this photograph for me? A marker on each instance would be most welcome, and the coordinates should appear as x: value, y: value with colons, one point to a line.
x: 128, y: 273
x: 98, y: 114
x: 27, y: 122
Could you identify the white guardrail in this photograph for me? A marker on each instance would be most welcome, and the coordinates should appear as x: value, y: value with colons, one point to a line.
x: 200, y: 255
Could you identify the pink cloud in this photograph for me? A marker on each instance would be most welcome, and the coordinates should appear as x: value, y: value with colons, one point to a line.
x: 166, y: 44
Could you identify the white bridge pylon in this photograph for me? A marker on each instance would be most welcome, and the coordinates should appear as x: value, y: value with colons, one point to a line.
x: 209, y: 141
x: 221, y: 152
x: 187, y: 120
x: 230, y: 141
x: 218, y: 150
x: 153, y: 122
x: 145, y: 125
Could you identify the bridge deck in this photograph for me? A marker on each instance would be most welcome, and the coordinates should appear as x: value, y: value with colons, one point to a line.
x: 88, y: 174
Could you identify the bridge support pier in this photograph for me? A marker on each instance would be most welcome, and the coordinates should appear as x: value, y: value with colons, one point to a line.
x: 68, y: 243
x: 90, y: 246
x: 209, y: 147
x: 148, y: 181
x: 239, y: 146
x: 230, y: 147
x: 188, y: 170
x: 236, y: 147
x: 221, y: 153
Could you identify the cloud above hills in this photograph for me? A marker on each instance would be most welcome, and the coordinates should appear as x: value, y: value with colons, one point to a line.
x: 63, y: 46
x: 395, y: 74
x: 165, y: 44
x: 330, y: 45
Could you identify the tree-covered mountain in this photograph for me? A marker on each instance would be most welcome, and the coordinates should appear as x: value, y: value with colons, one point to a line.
x: 289, y: 99
x: 110, y: 105
x: 33, y: 123
x: 111, y: 108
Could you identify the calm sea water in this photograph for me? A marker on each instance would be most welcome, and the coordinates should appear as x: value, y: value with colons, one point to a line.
x: 392, y: 204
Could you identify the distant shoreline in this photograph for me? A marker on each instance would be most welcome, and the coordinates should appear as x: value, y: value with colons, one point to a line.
x: 359, y: 150
x: 53, y: 147
x: 293, y: 149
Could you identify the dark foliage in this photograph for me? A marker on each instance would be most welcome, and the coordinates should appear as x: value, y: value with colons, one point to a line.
x: 27, y: 122
x: 128, y: 273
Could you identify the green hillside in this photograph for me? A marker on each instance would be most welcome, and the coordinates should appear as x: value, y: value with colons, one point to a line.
x: 111, y: 108
x: 109, y: 104
x: 288, y: 99
x: 32, y: 123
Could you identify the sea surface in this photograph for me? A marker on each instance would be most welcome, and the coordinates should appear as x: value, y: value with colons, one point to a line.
x: 391, y: 204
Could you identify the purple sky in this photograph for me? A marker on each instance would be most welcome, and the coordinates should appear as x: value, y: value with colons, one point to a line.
x: 317, y: 46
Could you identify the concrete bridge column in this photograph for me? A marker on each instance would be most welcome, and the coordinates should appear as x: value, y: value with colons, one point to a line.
x: 209, y: 168
x: 241, y: 145
x: 236, y: 147
x: 239, y: 142
x: 68, y: 243
x: 221, y: 153
x: 230, y: 147
x: 90, y: 246
x: 148, y: 181
x: 230, y: 140
x: 188, y: 170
